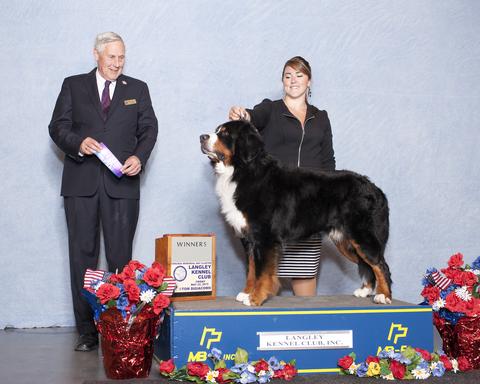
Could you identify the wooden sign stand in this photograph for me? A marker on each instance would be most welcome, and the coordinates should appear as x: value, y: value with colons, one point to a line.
x: 190, y: 259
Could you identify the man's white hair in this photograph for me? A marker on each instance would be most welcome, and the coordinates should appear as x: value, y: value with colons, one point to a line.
x: 104, y: 38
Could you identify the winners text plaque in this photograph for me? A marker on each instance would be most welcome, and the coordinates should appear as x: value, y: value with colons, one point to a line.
x: 190, y: 259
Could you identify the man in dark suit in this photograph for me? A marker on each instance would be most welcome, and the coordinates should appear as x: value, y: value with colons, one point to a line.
x: 103, y: 106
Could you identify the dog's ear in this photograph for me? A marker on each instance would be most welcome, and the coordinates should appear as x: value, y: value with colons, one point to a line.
x: 249, y: 144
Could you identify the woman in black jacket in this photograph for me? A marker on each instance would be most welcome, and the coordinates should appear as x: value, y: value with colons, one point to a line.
x: 298, y: 135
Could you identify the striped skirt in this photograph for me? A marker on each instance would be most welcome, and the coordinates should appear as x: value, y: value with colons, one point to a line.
x: 301, y: 259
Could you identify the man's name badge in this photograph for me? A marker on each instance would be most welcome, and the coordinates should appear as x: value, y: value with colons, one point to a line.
x: 130, y: 102
x: 109, y: 159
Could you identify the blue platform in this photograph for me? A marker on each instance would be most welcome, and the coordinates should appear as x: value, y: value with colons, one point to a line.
x: 316, y: 331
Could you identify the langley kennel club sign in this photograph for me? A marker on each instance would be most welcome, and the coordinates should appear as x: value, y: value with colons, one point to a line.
x: 190, y: 259
x: 305, y: 340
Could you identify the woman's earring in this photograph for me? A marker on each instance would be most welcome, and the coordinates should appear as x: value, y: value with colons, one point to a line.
x: 309, y: 92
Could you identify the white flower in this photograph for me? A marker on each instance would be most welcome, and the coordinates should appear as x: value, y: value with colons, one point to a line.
x: 476, y: 271
x: 211, y: 376
x: 388, y: 377
x: 147, y: 296
x: 454, y: 365
x: 251, y: 368
x: 420, y: 373
x: 440, y: 303
x: 463, y: 293
x: 353, y: 369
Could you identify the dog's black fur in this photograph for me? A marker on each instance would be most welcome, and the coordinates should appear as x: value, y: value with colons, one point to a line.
x: 281, y: 204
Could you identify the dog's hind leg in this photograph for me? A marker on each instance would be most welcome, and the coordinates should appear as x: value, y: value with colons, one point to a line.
x: 346, y: 249
x: 381, y: 273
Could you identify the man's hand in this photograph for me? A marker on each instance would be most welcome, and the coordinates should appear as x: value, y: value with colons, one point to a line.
x: 89, y: 146
x: 132, y: 166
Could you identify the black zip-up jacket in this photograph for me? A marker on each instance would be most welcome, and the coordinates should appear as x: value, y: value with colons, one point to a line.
x: 308, y: 147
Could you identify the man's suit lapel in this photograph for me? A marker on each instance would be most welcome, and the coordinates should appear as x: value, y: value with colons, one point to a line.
x: 118, y: 95
x: 93, y: 91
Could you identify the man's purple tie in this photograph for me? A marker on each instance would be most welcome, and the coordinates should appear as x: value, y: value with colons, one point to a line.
x: 106, y: 98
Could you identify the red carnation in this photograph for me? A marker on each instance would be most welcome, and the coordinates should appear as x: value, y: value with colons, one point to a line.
x: 466, y: 278
x: 456, y: 261
x: 453, y: 302
x: 160, y: 267
x: 166, y: 366
x: 115, y: 278
x: 128, y: 273
x: 398, y: 369
x: 132, y: 289
x: 446, y: 362
x: 464, y: 364
x: 107, y: 292
x: 159, y: 303
x: 289, y: 372
x: 431, y: 294
x: 345, y: 362
x: 261, y: 365
x: 425, y: 354
x: 452, y: 273
x: 135, y: 265
x: 153, y: 277
x: 374, y: 359
x: 198, y: 369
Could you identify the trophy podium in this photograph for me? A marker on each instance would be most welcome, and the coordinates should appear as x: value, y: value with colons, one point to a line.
x: 316, y: 331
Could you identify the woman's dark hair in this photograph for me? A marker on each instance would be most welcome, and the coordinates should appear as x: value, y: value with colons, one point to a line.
x: 299, y: 64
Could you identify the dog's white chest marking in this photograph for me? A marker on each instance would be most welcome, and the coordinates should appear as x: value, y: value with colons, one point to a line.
x: 225, y: 189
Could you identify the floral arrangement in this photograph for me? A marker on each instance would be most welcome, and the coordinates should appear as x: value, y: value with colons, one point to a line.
x: 411, y: 363
x: 135, y: 288
x: 261, y: 371
x: 454, y: 294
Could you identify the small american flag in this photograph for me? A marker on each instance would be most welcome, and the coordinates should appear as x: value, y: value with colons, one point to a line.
x: 93, y: 276
x: 171, y: 286
x: 440, y: 281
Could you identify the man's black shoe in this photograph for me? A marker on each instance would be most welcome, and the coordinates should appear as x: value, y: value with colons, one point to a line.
x: 87, y: 342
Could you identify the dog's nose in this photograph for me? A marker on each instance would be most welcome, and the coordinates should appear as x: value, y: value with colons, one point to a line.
x: 204, y: 138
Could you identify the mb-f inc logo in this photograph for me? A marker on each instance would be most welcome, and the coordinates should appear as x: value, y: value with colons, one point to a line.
x: 209, y: 336
x: 396, y: 332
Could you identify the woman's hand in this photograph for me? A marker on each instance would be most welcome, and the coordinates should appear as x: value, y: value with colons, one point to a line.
x: 237, y: 113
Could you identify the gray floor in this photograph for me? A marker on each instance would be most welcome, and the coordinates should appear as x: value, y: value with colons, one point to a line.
x: 46, y: 355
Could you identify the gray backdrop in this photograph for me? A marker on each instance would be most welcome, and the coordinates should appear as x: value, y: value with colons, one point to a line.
x: 400, y: 80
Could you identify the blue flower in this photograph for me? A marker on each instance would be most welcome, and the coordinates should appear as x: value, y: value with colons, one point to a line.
x: 386, y: 354
x: 362, y: 369
x: 431, y: 270
x: 398, y: 356
x: 274, y: 363
x: 265, y: 378
x: 423, y: 365
x: 239, y: 368
x: 404, y: 360
x: 247, y: 377
x: 476, y: 263
x: 215, y: 353
x: 444, y: 293
x: 438, y: 369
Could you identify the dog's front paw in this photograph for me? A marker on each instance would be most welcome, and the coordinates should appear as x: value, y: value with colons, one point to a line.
x: 382, y: 299
x: 242, y: 296
x: 362, y: 292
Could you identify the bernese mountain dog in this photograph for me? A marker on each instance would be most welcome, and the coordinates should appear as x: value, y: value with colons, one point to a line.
x: 268, y: 204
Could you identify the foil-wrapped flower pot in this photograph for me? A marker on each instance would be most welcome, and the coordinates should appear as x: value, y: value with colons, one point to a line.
x: 461, y: 339
x: 127, y: 350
